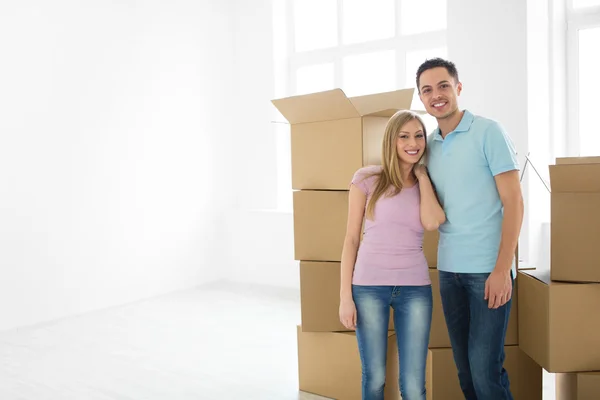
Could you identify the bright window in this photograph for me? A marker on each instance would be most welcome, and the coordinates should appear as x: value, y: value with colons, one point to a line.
x: 362, y: 47
x: 585, y: 3
x: 369, y: 73
x: 583, y: 35
x: 420, y: 16
x: 314, y: 78
x: 315, y: 23
x: 368, y: 20
x: 589, y: 88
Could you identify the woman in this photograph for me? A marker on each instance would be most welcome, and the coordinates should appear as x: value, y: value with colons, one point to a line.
x: 389, y: 268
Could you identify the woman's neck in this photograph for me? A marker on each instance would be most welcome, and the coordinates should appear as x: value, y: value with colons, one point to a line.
x: 407, y: 174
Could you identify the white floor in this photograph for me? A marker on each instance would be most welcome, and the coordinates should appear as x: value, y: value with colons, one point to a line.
x: 218, y: 342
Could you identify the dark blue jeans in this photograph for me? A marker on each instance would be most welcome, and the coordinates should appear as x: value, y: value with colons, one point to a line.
x: 412, y: 307
x: 477, y: 335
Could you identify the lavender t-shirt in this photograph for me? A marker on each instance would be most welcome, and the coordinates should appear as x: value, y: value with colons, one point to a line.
x: 391, y: 251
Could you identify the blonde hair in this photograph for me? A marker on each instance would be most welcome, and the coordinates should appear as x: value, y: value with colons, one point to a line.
x: 389, y: 180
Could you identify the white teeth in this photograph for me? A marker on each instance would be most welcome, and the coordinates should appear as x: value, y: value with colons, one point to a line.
x: 413, y: 152
x: 439, y: 104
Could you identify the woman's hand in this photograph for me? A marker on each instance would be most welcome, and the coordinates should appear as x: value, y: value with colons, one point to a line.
x: 420, y: 171
x: 348, y: 313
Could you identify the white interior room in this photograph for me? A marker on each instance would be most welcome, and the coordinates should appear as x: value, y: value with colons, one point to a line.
x: 146, y: 234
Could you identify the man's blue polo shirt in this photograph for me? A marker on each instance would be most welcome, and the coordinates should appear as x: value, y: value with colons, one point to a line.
x: 462, y: 168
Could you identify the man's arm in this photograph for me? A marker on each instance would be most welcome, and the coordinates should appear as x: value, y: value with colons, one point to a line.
x: 509, y: 188
x: 432, y: 214
x: 502, y: 158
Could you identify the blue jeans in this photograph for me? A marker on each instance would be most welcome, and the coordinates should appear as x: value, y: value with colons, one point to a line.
x: 412, y: 307
x: 477, y: 335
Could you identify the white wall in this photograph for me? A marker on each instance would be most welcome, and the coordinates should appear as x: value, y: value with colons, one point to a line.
x: 109, y: 189
x: 254, y: 83
x: 491, y: 57
x: 261, y: 238
x: 490, y: 43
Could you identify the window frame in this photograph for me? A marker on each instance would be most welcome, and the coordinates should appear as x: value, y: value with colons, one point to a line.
x: 577, y: 19
x: 399, y: 43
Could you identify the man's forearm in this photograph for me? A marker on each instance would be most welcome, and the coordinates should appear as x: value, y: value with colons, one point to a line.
x: 511, y: 229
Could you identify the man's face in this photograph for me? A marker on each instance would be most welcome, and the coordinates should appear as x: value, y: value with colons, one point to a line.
x: 439, y: 92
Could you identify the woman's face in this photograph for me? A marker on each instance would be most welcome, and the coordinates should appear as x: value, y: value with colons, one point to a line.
x: 411, y: 143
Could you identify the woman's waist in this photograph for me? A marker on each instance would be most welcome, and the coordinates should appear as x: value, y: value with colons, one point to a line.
x: 388, y: 256
x: 391, y: 247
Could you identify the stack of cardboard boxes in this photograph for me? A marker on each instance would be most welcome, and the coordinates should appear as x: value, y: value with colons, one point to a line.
x: 559, y: 307
x: 332, y: 136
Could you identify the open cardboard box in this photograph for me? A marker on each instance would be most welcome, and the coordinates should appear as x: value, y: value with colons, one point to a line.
x: 575, y: 219
x: 333, y: 135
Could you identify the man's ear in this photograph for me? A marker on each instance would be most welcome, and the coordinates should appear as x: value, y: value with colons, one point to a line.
x: 459, y: 88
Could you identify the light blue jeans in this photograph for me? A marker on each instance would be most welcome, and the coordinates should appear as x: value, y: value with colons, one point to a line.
x: 412, y: 307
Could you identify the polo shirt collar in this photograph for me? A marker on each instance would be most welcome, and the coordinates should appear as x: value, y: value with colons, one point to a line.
x: 463, y: 126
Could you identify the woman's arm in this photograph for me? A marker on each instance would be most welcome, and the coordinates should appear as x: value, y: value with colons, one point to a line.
x: 432, y: 214
x: 356, y: 211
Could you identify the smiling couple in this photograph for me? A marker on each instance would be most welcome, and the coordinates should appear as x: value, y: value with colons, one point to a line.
x: 463, y: 180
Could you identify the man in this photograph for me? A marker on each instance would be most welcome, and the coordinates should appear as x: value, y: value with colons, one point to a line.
x: 473, y: 166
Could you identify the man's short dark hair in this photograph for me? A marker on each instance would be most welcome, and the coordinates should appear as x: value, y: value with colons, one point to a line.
x: 436, y: 63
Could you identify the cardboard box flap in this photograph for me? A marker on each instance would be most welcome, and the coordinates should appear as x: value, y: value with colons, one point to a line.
x: 577, y: 160
x: 316, y: 107
x: 383, y: 104
x: 542, y: 275
x: 583, y: 178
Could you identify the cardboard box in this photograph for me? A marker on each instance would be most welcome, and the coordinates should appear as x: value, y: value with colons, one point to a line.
x: 320, y: 297
x: 524, y: 374
x: 430, y: 247
x: 439, y: 332
x: 320, y: 218
x: 319, y: 224
x: 578, y: 386
x: 575, y: 219
x: 329, y: 365
x: 332, y: 135
x: 320, y: 301
x: 559, y: 322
